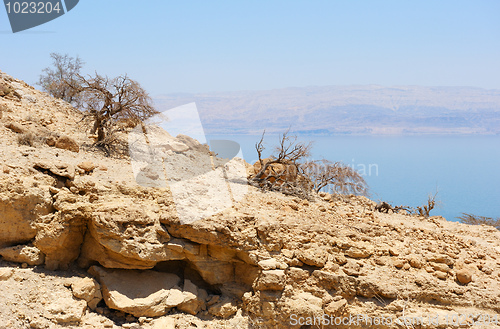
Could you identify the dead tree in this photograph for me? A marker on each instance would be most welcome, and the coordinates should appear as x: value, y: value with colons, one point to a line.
x: 64, y: 68
x: 106, y: 102
x: 337, y: 177
x: 281, y: 171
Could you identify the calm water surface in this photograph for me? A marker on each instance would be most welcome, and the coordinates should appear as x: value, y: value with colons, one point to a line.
x: 465, y: 170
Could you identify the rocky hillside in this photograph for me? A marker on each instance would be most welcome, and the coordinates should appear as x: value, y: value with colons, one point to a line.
x: 87, y: 241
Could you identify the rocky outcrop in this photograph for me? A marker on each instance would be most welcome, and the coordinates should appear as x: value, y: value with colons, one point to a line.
x: 254, y: 259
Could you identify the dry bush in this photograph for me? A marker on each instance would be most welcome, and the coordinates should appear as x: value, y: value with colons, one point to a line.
x: 288, y: 171
x: 479, y: 220
x: 109, y: 103
x: 423, y: 210
x: 53, y: 79
x: 334, y: 177
x: 29, y: 139
x: 280, y: 172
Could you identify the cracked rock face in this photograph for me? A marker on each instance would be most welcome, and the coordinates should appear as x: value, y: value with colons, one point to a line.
x: 260, y: 260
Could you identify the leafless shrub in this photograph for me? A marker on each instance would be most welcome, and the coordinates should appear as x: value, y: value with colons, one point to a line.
x: 288, y: 171
x: 335, y: 177
x: 29, y: 139
x: 280, y: 172
x: 479, y: 220
x: 423, y: 210
x: 108, y: 103
x: 64, y: 68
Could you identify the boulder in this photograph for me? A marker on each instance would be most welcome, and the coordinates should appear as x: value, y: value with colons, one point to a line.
x: 271, y: 280
x: 58, y: 169
x: 67, y: 143
x: 464, y: 276
x: 20, y: 208
x: 336, y: 307
x: 360, y: 250
x: 223, y: 308
x: 59, y: 236
x: 314, y: 256
x: 87, y: 289
x: 87, y: 166
x: 23, y: 254
x: 140, y: 293
x: 193, y: 299
x: 125, y: 234
x: 15, y: 127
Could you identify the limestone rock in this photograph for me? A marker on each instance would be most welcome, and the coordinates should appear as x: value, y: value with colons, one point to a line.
x: 140, y: 293
x: 336, y: 307
x: 464, y: 276
x: 87, y: 166
x: 193, y: 300
x: 122, y: 234
x: 312, y: 256
x: 23, y: 254
x: 67, y: 143
x: 271, y: 280
x: 304, y: 304
x: 20, y: 208
x: 59, y: 237
x: 360, y: 250
x: 223, y: 309
x: 5, y: 273
x: 272, y: 264
x: 87, y: 289
x: 15, y: 127
x: 57, y: 168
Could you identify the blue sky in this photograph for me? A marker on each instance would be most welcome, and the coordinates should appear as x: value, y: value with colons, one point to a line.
x: 202, y: 46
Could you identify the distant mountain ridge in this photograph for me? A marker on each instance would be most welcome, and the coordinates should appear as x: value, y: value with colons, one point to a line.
x: 370, y: 109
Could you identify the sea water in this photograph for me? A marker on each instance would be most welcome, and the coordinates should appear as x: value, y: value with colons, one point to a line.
x: 405, y: 170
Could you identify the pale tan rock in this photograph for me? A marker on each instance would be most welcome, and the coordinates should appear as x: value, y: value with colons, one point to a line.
x: 57, y: 168
x: 441, y: 275
x: 312, y: 256
x: 19, y: 210
x: 440, y: 267
x: 87, y: 289
x: 16, y: 127
x: 416, y: 262
x: 464, y: 276
x: 5, y: 273
x: 87, y: 166
x: 223, y: 309
x: 394, y: 251
x: 271, y: 280
x: 23, y: 254
x: 164, y: 323
x: 67, y: 143
x: 140, y: 293
x: 360, y: 250
x: 304, y: 304
x: 336, y: 307
x: 398, y: 262
x: 351, y: 268
x: 192, y: 302
x: 59, y: 237
x: 272, y: 264
x: 440, y: 258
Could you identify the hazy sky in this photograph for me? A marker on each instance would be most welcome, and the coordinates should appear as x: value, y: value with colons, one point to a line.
x: 201, y: 46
